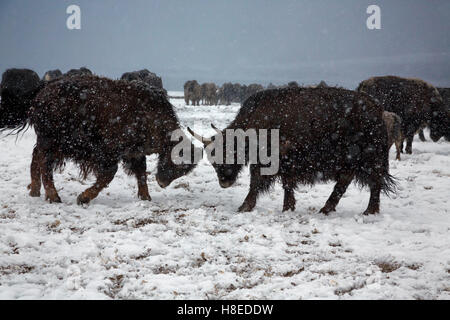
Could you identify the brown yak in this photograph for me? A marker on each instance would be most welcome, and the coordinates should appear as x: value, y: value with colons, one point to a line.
x: 324, y: 134
x: 98, y: 122
x: 393, y: 124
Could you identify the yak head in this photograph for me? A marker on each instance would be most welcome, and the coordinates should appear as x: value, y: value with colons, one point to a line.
x: 440, y: 120
x: 226, y: 173
x: 176, y: 159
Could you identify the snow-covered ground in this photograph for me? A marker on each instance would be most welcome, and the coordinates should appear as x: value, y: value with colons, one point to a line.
x: 190, y: 241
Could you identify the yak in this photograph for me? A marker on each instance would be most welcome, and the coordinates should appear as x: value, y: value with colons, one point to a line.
x: 17, y: 90
x: 52, y: 75
x: 393, y: 125
x: 98, y: 122
x: 415, y: 101
x: 146, y: 76
x: 78, y: 72
x: 192, y: 92
x: 324, y: 134
x: 209, y: 93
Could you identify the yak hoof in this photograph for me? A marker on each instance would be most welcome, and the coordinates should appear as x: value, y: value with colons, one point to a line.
x: 145, y: 197
x: 82, y: 200
x: 36, y: 193
x: 245, y: 207
x: 288, y: 207
x: 53, y: 199
x: 326, y: 210
x: 370, y: 211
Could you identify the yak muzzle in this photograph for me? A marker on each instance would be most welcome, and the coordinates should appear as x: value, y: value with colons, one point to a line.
x: 162, y: 184
x: 225, y: 184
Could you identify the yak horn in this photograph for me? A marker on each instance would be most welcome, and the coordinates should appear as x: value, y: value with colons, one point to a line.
x: 200, y: 138
x: 215, y: 128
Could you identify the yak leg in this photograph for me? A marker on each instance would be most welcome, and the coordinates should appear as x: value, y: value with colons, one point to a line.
x: 35, y: 170
x: 138, y: 166
x: 374, y: 202
x: 47, y: 162
x: 289, y: 195
x: 258, y: 184
x: 398, y: 147
x: 409, y: 140
x: 341, y: 186
x: 104, y: 176
x: 422, y: 136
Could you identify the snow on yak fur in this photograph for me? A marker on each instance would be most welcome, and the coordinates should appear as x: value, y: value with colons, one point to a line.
x: 325, y: 134
x: 415, y: 101
x: 97, y: 123
x: 17, y: 89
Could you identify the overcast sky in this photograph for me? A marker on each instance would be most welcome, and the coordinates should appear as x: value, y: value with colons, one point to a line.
x: 231, y: 40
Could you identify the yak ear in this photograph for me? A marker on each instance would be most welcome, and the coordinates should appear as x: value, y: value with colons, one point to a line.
x: 215, y: 128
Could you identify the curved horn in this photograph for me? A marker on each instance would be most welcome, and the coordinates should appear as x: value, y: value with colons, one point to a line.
x: 200, y: 138
x: 215, y: 128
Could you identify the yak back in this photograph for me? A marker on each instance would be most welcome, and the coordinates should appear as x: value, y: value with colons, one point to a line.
x: 307, y: 114
x: 88, y: 118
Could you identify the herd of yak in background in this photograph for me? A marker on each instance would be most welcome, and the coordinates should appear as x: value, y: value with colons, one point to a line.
x: 325, y: 133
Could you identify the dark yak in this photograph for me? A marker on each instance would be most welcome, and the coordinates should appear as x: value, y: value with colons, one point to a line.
x: 146, y: 76
x: 415, y: 101
x: 97, y: 123
x: 83, y: 71
x: 17, y: 90
x: 325, y: 134
x: 52, y: 75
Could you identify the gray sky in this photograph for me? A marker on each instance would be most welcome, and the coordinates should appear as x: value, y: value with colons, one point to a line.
x: 234, y: 40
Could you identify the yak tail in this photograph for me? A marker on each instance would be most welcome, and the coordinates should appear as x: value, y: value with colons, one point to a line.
x: 389, y: 184
x: 14, y: 110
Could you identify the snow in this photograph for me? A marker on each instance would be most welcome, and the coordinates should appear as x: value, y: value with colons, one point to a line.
x: 190, y: 242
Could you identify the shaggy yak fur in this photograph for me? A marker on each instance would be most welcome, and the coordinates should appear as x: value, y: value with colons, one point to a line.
x: 325, y: 134
x: 394, y: 130
x: 415, y: 101
x: 97, y: 123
